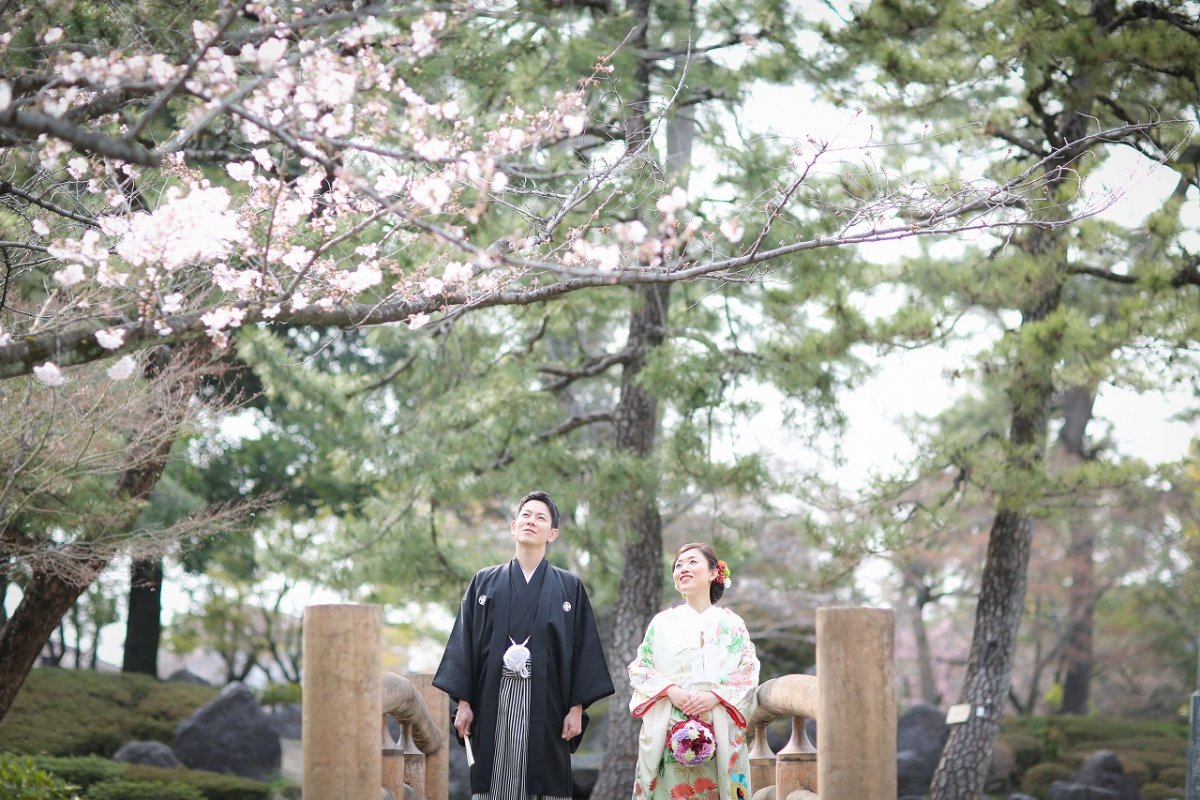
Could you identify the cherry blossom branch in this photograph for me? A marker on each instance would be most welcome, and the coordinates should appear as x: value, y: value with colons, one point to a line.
x: 6, y: 187
x: 36, y: 123
x: 169, y: 91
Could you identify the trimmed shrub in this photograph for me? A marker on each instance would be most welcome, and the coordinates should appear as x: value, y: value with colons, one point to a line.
x: 63, y: 712
x: 212, y: 785
x: 1134, y: 767
x: 139, y: 790
x: 1037, y: 779
x: 1099, y: 733
x: 278, y: 694
x: 83, y: 771
x: 1172, y: 776
x: 1160, y: 791
x: 20, y: 779
x: 1025, y: 749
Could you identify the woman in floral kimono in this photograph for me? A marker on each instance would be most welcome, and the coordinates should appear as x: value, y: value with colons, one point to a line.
x: 697, y: 661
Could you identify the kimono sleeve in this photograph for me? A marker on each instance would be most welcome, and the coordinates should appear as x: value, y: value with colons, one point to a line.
x: 590, y: 678
x: 737, y: 690
x: 648, y: 684
x: 457, y: 672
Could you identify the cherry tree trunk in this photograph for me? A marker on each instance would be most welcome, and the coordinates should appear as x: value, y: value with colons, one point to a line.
x: 47, y: 597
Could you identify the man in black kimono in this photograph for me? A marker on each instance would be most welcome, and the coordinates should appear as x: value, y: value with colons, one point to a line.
x: 523, y: 661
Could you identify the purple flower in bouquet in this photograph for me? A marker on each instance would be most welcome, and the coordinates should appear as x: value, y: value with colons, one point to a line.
x: 691, y: 742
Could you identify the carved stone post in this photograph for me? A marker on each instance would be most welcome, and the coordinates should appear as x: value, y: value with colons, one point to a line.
x: 796, y: 764
x: 856, y: 705
x: 437, y: 764
x: 393, y: 762
x: 342, y: 705
x: 762, y: 761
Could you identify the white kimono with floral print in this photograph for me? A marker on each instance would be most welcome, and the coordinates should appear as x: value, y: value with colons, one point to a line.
x: 699, y: 651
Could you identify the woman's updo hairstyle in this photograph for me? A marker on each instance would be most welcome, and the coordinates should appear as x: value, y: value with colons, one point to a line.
x: 717, y: 587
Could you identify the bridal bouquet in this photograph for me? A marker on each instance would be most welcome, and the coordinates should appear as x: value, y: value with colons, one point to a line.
x: 691, y: 742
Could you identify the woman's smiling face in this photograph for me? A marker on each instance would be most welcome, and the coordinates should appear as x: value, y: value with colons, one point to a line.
x: 692, y: 573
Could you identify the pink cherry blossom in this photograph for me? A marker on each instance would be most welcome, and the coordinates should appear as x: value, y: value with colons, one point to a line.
x: 733, y: 230
x: 49, y: 374
x: 674, y: 202
x: 110, y: 339
x: 70, y: 275
x: 123, y: 368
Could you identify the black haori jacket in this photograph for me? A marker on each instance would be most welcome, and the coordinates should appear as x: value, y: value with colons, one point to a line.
x: 568, y: 665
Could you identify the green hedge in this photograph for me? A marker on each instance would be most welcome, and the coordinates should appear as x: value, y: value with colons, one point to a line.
x: 1037, y: 779
x: 61, y: 712
x: 138, y: 790
x: 20, y: 779
x: 212, y: 785
x: 1172, y: 776
x: 1161, y: 791
x: 83, y: 771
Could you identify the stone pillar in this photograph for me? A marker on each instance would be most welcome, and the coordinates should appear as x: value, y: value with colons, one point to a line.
x: 762, y: 761
x: 342, y: 702
x: 414, y: 764
x: 856, y: 705
x: 392, y: 777
x: 437, y: 764
x: 796, y: 763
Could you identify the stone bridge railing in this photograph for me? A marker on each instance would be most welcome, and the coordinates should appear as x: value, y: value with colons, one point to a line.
x: 853, y: 701
x: 348, y: 699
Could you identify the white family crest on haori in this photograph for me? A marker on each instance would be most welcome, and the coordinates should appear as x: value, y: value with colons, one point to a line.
x: 566, y: 606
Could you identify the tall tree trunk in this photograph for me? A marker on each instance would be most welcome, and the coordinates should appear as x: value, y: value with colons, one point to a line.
x: 636, y: 422
x: 3, y: 596
x: 929, y: 690
x: 640, y: 594
x: 963, y: 769
x: 1077, y: 412
x: 143, y: 629
x: 47, y: 597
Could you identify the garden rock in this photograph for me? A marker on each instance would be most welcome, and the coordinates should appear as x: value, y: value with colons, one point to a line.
x: 185, y: 675
x: 585, y: 769
x: 1103, y: 770
x: 231, y: 734
x: 912, y: 776
x: 151, y: 754
x: 287, y: 720
x: 921, y: 733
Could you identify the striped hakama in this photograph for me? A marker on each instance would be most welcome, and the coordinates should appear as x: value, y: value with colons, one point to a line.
x: 512, y: 740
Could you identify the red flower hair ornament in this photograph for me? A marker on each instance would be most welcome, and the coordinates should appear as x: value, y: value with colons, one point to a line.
x: 723, y: 575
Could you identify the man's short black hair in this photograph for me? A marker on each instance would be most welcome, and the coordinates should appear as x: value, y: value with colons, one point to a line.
x: 545, y: 498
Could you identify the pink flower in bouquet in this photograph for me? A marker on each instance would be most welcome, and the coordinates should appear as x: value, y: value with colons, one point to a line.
x: 691, y: 742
